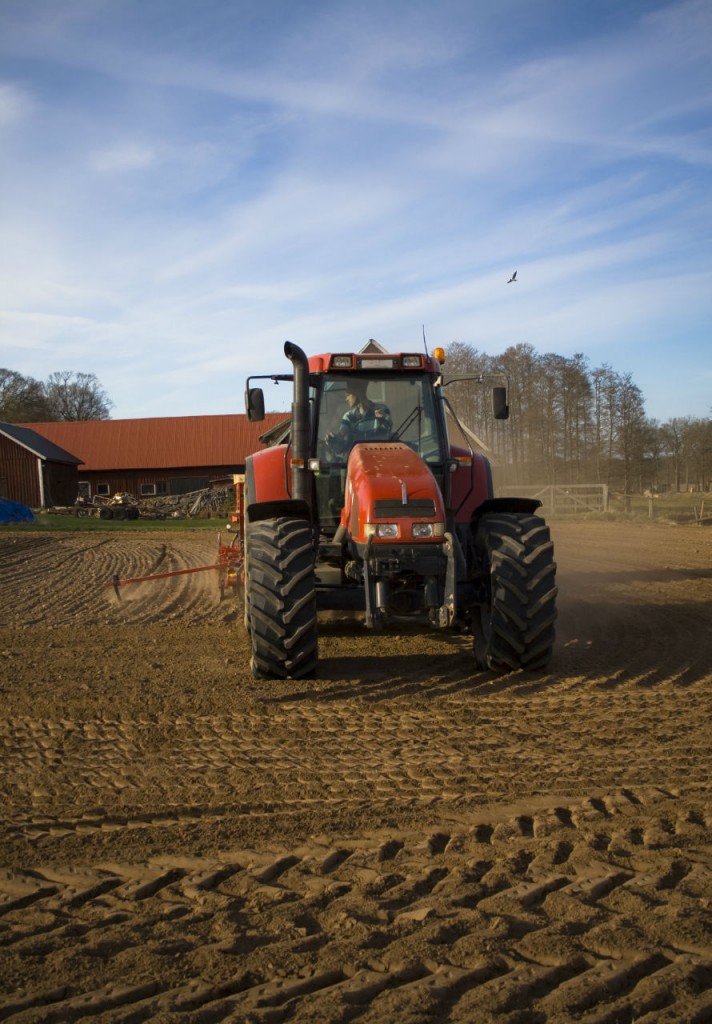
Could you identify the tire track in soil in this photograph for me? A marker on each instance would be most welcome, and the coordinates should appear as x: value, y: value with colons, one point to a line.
x: 399, y: 840
x: 483, y: 922
x: 425, y: 751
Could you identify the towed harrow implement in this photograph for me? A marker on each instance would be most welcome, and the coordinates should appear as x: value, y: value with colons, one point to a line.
x: 228, y: 568
x: 228, y: 565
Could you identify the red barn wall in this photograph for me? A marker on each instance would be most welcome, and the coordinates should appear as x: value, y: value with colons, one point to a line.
x: 19, y: 479
x: 167, y: 481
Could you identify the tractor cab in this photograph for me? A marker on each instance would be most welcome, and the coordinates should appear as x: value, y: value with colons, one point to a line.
x: 373, y: 408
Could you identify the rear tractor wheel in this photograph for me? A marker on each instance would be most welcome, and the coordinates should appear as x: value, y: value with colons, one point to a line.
x: 281, y: 599
x: 514, y: 628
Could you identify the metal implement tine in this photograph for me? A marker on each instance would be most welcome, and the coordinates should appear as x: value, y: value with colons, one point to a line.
x: 115, y: 582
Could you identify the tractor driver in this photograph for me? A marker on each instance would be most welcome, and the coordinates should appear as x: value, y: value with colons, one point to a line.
x: 364, y: 420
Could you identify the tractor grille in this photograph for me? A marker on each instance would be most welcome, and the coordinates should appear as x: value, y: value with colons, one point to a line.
x: 415, y: 508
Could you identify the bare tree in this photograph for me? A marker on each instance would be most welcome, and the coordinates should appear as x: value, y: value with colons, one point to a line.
x: 577, y: 394
x: 521, y: 364
x: 630, y: 434
x: 22, y: 399
x: 76, y: 396
x: 605, y: 383
x: 673, y: 434
x: 700, y: 452
x: 653, y: 457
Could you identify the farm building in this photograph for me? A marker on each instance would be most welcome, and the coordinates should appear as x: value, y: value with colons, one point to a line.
x: 163, y: 455
x: 34, y: 470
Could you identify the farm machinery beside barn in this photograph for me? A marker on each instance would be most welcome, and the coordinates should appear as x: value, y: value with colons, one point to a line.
x: 118, y: 506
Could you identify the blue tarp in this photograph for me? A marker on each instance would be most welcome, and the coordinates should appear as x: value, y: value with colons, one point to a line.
x: 14, y: 512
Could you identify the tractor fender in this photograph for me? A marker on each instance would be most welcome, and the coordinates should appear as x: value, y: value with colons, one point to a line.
x: 470, y: 484
x: 267, y: 491
x: 291, y: 508
x: 523, y: 506
x: 267, y: 475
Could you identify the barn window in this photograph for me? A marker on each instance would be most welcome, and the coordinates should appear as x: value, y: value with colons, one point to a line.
x: 103, y: 489
x: 157, y: 487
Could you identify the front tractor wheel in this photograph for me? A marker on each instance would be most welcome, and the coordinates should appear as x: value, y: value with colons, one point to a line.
x: 514, y: 628
x: 280, y: 599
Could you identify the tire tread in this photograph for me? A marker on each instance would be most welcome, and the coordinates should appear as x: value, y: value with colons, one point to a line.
x: 520, y: 630
x: 282, y: 599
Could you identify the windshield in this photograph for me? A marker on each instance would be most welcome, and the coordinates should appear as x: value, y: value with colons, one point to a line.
x: 386, y: 407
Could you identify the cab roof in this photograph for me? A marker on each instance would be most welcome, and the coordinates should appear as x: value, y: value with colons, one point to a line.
x: 369, y: 362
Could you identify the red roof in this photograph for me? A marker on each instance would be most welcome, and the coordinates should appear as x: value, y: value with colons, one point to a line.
x: 170, y: 442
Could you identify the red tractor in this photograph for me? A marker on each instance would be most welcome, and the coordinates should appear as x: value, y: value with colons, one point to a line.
x: 366, y: 505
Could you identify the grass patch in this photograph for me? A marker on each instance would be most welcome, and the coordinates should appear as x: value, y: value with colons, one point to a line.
x: 45, y: 522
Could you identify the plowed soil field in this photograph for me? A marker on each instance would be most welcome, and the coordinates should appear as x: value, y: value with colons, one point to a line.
x: 403, y: 839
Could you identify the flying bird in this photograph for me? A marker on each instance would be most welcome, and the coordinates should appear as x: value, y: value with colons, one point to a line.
x: 513, y: 278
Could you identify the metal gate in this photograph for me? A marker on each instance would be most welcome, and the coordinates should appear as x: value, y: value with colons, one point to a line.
x: 565, y: 500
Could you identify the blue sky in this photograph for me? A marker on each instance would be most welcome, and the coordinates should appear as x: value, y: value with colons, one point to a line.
x: 184, y: 184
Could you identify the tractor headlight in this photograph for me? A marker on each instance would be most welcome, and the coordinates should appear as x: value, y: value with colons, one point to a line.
x: 384, y: 531
x: 422, y: 530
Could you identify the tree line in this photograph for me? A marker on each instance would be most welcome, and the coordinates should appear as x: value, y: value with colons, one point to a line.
x: 571, y: 423
x: 65, y: 395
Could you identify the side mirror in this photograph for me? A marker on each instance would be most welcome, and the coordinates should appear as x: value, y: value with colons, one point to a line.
x: 255, y: 404
x: 499, y: 403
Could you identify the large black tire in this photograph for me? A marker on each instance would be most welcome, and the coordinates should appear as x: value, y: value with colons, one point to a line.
x: 281, y: 595
x: 514, y: 628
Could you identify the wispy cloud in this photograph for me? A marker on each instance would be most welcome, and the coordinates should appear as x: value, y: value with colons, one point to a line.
x: 15, y: 103
x: 126, y: 156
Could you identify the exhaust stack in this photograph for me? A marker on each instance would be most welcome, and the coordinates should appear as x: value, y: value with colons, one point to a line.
x: 301, y: 427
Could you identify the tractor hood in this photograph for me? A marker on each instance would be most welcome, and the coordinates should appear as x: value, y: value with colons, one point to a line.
x: 391, y: 497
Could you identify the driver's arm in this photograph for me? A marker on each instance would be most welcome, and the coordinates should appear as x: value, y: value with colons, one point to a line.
x: 339, y: 438
x: 384, y: 418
